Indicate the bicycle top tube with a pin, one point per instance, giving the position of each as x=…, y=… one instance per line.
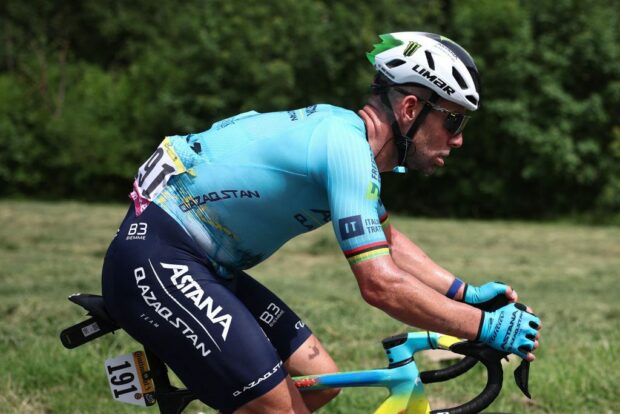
x=399, y=350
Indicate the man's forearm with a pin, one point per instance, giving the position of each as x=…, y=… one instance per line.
x=411, y=301
x=410, y=258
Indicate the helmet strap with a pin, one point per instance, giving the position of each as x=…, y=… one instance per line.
x=402, y=141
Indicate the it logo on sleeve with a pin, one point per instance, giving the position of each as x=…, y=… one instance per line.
x=350, y=227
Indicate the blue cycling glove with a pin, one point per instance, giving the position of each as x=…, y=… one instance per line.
x=484, y=293
x=509, y=329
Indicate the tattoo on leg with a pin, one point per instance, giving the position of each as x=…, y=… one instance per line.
x=315, y=353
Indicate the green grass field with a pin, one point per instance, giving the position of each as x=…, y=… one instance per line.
x=567, y=273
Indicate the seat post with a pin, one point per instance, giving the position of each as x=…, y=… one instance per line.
x=171, y=400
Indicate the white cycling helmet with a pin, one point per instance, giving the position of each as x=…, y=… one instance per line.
x=429, y=60
x=433, y=62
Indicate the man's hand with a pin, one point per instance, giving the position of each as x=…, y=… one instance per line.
x=479, y=294
x=512, y=328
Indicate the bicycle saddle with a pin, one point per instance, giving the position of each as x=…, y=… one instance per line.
x=94, y=305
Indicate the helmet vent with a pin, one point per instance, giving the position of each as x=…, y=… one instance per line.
x=459, y=78
x=472, y=99
x=429, y=58
x=394, y=63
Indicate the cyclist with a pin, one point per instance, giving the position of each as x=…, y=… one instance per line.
x=208, y=206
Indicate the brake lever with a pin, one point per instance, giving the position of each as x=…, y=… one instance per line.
x=522, y=377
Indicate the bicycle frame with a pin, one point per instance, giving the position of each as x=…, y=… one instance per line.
x=401, y=378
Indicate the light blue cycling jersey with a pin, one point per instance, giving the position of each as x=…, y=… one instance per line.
x=254, y=181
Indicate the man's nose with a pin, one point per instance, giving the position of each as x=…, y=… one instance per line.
x=456, y=141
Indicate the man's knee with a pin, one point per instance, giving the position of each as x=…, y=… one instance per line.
x=312, y=359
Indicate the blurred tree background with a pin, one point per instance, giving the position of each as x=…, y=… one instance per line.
x=89, y=88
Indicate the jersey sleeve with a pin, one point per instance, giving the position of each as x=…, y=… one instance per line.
x=354, y=186
x=384, y=218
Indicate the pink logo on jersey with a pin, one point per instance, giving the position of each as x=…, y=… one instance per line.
x=139, y=203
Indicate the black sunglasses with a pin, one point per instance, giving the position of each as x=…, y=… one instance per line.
x=455, y=121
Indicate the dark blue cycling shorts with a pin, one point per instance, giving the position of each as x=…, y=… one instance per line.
x=225, y=339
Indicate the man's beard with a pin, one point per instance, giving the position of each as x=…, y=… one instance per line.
x=416, y=161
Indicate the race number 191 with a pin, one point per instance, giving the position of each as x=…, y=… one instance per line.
x=157, y=170
x=129, y=379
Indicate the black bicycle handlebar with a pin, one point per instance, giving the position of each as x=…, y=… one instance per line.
x=445, y=374
x=491, y=358
x=478, y=352
x=465, y=364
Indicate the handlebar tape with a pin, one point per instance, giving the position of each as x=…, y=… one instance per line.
x=445, y=374
x=491, y=359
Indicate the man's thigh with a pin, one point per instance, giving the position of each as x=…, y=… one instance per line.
x=286, y=331
x=302, y=352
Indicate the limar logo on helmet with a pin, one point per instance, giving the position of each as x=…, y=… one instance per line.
x=411, y=48
x=427, y=74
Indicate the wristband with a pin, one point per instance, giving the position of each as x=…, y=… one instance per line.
x=454, y=288
x=480, y=326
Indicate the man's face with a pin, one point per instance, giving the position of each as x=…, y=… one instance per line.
x=432, y=143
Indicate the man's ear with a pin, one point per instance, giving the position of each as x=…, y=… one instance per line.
x=408, y=107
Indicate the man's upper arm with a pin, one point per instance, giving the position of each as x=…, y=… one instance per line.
x=353, y=187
